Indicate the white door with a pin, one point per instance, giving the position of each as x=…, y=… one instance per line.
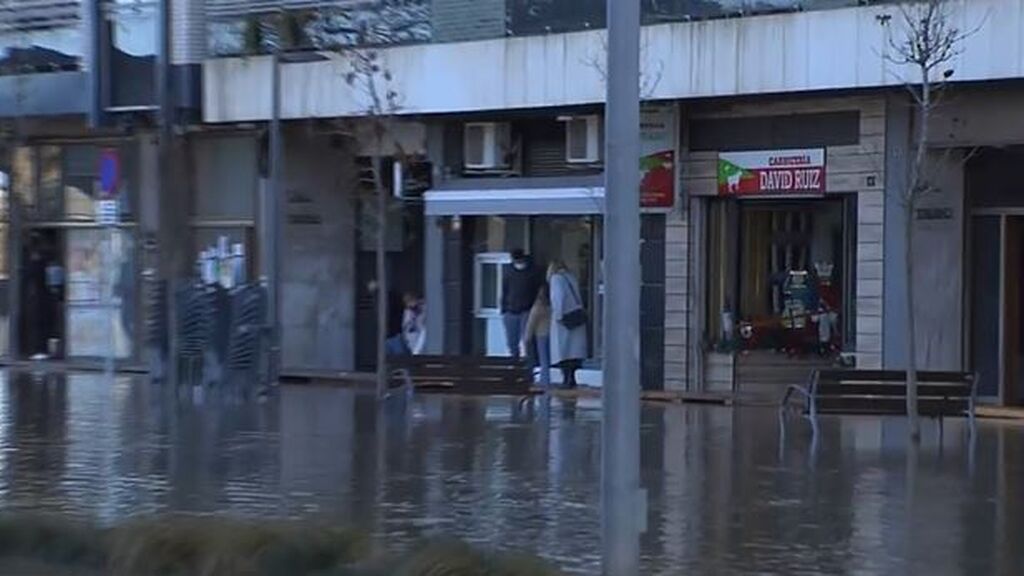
x=488, y=271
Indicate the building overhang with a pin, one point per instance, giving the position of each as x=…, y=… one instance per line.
x=517, y=197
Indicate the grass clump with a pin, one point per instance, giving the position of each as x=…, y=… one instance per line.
x=194, y=546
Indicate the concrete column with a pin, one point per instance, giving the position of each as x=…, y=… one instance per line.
x=897, y=167
x=92, y=24
x=433, y=250
x=433, y=282
x=696, y=300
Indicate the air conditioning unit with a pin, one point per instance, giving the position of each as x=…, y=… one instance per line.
x=583, y=139
x=487, y=146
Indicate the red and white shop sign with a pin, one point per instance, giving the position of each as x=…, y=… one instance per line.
x=772, y=173
x=658, y=158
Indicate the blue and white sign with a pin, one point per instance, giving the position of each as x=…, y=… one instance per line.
x=107, y=212
x=110, y=172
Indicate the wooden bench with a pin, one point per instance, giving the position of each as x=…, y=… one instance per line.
x=470, y=375
x=842, y=391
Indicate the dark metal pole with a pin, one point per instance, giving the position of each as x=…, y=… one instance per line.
x=155, y=253
x=94, y=26
x=272, y=226
x=622, y=504
x=162, y=81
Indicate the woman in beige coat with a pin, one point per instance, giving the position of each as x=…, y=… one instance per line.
x=568, y=345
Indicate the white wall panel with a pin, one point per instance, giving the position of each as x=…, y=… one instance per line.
x=817, y=50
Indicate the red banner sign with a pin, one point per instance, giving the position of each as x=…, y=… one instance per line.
x=772, y=173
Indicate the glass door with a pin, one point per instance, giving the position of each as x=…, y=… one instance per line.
x=100, y=292
x=986, y=302
x=488, y=272
x=1013, y=311
x=997, y=306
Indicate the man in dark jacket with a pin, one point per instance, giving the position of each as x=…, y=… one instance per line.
x=519, y=289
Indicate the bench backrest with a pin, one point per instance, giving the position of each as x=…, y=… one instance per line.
x=462, y=362
x=467, y=374
x=838, y=382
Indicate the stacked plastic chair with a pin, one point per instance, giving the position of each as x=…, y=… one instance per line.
x=248, y=309
x=195, y=323
x=156, y=328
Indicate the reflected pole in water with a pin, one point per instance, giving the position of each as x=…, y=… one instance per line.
x=272, y=221
x=621, y=501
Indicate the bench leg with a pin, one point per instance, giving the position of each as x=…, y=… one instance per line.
x=814, y=417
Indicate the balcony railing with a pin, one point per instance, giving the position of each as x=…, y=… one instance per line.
x=237, y=27
x=40, y=36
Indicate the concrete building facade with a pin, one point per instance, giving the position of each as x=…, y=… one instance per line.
x=727, y=263
x=84, y=90
x=814, y=85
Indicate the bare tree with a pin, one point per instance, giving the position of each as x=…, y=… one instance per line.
x=369, y=76
x=651, y=73
x=925, y=45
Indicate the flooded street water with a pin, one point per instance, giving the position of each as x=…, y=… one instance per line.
x=725, y=494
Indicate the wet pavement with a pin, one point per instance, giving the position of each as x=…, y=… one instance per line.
x=727, y=493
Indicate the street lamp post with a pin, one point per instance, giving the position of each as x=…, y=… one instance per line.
x=272, y=221
x=622, y=502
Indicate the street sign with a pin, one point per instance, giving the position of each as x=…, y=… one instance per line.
x=110, y=172
x=107, y=212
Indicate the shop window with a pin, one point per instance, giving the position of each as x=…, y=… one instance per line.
x=23, y=176
x=100, y=293
x=71, y=286
x=226, y=172
x=224, y=205
x=48, y=205
x=502, y=234
x=212, y=237
x=721, y=272
x=776, y=276
x=80, y=182
x=62, y=183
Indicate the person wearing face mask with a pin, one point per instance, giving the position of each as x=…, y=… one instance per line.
x=519, y=291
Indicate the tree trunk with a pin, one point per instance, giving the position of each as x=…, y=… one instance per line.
x=382, y=280
x=913, y=420
x=917, y=185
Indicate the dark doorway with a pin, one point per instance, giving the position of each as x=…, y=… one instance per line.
x=997, y=306
x=41, y=330
x=1013, y=312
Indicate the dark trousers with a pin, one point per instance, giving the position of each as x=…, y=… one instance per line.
x=515, y=326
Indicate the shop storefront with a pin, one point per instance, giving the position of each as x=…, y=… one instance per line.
x=574, y=240
x=995, y=275
x=75, y=282
x=775, y=266
x=535, y=182
x=779, y=252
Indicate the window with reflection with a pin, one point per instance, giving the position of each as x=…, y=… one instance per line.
x=39, y=36
x=57, y=183
x=77, y=278
x=132, y=32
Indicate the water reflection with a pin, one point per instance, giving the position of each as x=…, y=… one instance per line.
x=725, y=497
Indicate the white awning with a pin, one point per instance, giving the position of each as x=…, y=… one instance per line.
x=515, y=201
